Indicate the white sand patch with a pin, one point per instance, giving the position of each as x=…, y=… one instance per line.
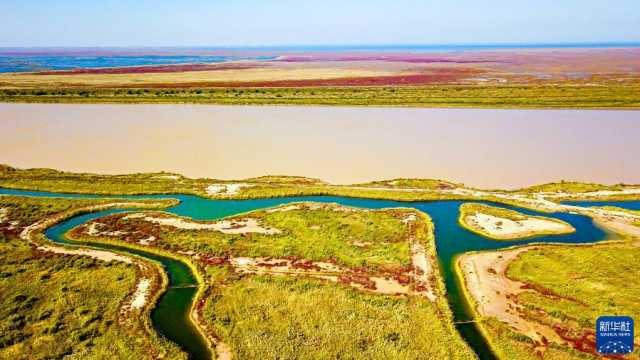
x=147, y=241
x=502, y=227
x=389, y=286
x=96, y=254
x=93, y=229
x=226, y=189
x=361, y=243
x=614, y=213
x=409, y=219
x=599, y=193
x=283, y=209
x=243, y=261
x=188, y=253
x=4, y=215
x=170, y=177
x=13, y=225
x=140, y=296
x=223, y=351
x=240, y=226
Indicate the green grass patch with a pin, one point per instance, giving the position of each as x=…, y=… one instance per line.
x=577, y=284
x=60, y=181
x=477, y=96
x=508, y=344
x=285, y=318
x=571, y=187
x=49, y=309
x=598, y=276
x=374, y=239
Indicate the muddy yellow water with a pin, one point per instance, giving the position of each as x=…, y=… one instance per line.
x=484, y=148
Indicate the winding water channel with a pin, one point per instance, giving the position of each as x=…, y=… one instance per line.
x=171, y=315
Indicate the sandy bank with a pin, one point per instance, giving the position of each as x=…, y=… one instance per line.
x=503, y=228
x=492, y=291
x=96, y=254
x=226, y=189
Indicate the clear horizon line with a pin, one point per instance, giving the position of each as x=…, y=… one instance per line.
x=338, y=45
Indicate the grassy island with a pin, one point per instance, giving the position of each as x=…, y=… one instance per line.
x=265, y=269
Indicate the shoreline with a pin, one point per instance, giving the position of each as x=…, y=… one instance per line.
x=614, y=236
x=409, y=106
x=201, y=288
x=464, y=223
x=322, y=104
x=56, y=219
x=196, y=274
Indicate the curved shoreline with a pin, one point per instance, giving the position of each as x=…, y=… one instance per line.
x=464, y=213
x=201, y=288
x=50, y=223
x=467, y=335
x=472, y=305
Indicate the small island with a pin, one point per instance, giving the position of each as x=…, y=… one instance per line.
x=503, y=224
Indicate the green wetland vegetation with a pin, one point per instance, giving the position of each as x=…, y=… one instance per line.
x=375, y=240
x=271, y=316
x=49, y=310
x=495, y=96
x=60, y=181
x=575, y=285
x=289, y=318
x=223, y=305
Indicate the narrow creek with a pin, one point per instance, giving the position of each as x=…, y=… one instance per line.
x=171, y=315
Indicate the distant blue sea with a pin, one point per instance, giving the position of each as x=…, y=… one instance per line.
x=22, y=63
x=40, y=59
x=424, y=48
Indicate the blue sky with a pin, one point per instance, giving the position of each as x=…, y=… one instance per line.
x=312, y=22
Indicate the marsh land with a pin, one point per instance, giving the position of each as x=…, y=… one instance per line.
x=263, y=263
x=506, y=78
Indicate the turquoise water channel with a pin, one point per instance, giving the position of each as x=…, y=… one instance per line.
x=171, y=315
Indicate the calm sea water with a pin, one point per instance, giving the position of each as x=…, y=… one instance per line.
x=24, y=63
x=483, y=148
